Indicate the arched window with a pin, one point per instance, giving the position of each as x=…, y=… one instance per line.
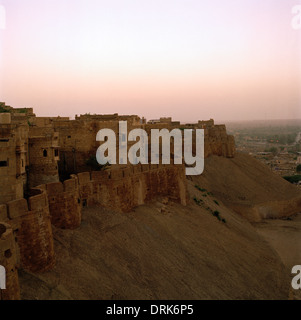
x=44, y=153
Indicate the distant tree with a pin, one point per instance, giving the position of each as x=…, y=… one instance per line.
x=3, y=110
x=274, y=150
x=293, y=179
x=94, y=165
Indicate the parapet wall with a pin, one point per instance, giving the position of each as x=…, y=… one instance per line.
x=30, y=222
x=218, y=142
x=123, y=189
x=64, y=203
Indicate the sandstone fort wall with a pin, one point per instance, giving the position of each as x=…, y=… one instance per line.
x=125, y=188
x=31, y=225
x=8, y=259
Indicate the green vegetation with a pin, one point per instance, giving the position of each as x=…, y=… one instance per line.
x=269, y=135
x=275, y=134
x=22, y=110
x=3, y=110
x=274, y=150
x=293, y=179
x=198, y=201
x=203, y=190
x=298, y=169
x=215, y=213
x=199, y=188
x=283, y=138
x=215, y=201
x=94, y=165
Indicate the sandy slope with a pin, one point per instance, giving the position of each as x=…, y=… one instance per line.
x=185, y=253
x=166, y=251
x=285, y=237
x=249, y=187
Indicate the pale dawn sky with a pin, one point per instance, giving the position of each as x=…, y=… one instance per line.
x=189, y=59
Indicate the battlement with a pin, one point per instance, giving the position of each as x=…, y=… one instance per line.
x=133, y=119
x=30, y=222
x=64, y=203
x=125, y=188
x=206, y=123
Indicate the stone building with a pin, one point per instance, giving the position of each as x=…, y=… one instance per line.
x=43, y=150
x=37, y=152
x=13, y=158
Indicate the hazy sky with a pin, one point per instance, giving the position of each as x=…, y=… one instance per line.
x=189, y=59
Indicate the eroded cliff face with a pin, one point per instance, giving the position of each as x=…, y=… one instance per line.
x=30, y=221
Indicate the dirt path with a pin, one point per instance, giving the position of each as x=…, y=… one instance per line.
x=284, y=236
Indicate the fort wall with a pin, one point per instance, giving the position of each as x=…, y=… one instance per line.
x=218, y=142
x=64, y=204
x=77, y=140
x=8, y=259
x=30, y=149
x=31, y=225
x=125, y=188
